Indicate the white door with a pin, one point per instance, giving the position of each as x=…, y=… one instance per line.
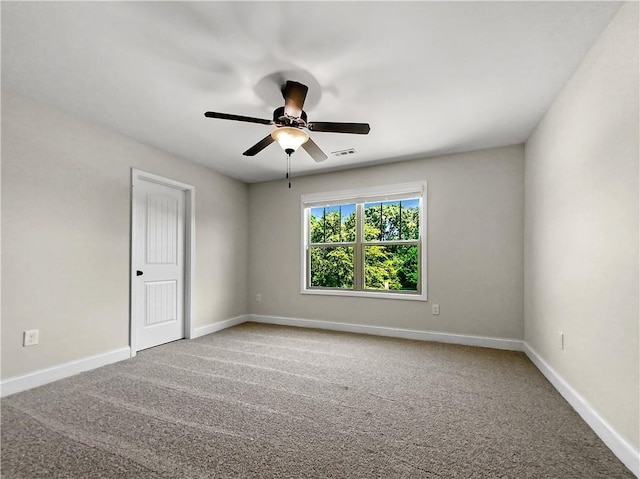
x=159, y=264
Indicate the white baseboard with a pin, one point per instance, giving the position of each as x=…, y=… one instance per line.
x=17, y=384
x=215, y=327
x=618, y=445
x=621, y=448
x=462, y=339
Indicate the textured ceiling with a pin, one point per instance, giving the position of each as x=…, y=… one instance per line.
x=430, y=77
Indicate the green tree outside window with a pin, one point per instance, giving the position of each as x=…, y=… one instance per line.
x=390, y=248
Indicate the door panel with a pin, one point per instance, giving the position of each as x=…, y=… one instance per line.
x=162, y=229
x=159, y=224
x=161, y=299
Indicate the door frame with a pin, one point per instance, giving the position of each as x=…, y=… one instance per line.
x=189, y=253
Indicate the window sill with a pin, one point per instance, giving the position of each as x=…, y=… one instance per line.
x=366, y=294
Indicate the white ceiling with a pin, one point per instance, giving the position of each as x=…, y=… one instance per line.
x=430, y=77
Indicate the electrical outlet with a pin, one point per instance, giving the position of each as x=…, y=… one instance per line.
x=258, y=297
x=561, y=340
x=30, y=337
x=435, y=309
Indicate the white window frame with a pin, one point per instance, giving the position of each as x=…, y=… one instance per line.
x=359, y=196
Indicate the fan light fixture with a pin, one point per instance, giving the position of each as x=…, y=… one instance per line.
x=289, y=139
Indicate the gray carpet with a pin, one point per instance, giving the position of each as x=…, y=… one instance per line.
x=270, y=401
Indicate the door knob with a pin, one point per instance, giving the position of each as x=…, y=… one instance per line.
x=139, y=273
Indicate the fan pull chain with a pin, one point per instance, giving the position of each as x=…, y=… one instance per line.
x=289, y=170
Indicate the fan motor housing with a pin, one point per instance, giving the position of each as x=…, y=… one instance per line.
x=281, y=118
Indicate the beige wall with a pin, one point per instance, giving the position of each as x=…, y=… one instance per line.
x=581, y=229
x=65, y=227
x=475, y=241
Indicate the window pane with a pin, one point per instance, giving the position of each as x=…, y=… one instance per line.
x=382, y=221
x=332, y=224
x=410, y=219
x=391, y=220
x=372, y=221
x=332, y=267
x=316, y=225
x=393, y=267
x=348, y=222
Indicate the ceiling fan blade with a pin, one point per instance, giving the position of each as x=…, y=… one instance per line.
x=330, y=127
x=314, y=150
x=258, y=147
x=294, y=94
x=228, y=116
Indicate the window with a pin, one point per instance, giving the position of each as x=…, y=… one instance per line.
x=365, y=242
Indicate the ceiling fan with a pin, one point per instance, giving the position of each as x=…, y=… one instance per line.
x=290, y=121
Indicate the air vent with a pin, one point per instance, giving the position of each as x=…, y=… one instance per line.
x=348, y=151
